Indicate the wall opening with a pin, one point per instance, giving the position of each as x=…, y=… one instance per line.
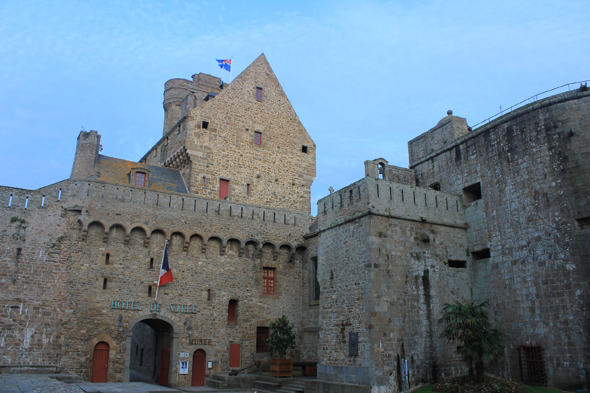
x=472, y=193
x=304, y=149
x=435, y=186
x=381, y=171
x=532, y=364
x=231, y=312
x=583, y=222
x=205, y=125
x=458, y=264
x=154, y=338
x=481, y=254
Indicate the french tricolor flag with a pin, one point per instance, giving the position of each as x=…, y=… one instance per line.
x=165, y=271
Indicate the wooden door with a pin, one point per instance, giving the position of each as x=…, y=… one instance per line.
x=223, y=188
x=100, y=362
x=164, y=366
x=234, y=355
x=199, y=367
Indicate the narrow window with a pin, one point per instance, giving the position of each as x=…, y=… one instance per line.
x=151, y=263
x=274, y=217
x=315, y=289
x=205, y=125
x=403, y=199
x=26, y=202
x=259, y=94
x=43, y=201
x=10, y=199
x=141, y=357
x=257, y=138
x=209, y=294
x=390, y=194
x=231, y=312
x=140, y=179
x=350, y=195
x=107, y=258
x=104, y=283
x=248, y=189
x=414, y=197
x=377, y=190
x=223, y=188
x=359, y=191
x=340, y=195
x=149, y=291
x=304, y=149
x=268, y=281
x=261, y=337
x=425, y=200
x=58, y=195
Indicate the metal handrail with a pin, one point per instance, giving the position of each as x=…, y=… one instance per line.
x=530, y=100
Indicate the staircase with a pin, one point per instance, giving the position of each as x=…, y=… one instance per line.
x=294, y=386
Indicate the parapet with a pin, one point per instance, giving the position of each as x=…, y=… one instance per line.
x=379, y=169
x=446, y=131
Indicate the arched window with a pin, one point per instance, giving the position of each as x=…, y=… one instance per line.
x=231, y=312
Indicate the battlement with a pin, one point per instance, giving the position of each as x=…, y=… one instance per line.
x=79, y=195
x=391, y=199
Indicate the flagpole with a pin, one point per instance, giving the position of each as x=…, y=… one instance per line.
x=231, y=68
x=160, y=272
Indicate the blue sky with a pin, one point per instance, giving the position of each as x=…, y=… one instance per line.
x=364, y=77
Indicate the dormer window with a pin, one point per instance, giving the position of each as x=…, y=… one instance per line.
x=140, y=179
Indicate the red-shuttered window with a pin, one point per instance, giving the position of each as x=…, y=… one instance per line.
x=261, y=336
x=223, y=188
x=257, y=138
x=259, y=94
x=234, y=355
x=231, y=312
x=268, y=281
x=140, y=179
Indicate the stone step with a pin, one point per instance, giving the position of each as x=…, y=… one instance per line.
x=265, y=385
x=215, y=383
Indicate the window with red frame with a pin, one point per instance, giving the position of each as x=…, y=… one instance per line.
x=231, y=312
x=259, y=94
x=268, y=281
x=258, y=138
x=140, y=179
x=261, y=336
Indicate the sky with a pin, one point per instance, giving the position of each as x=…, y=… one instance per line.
x=364, y=77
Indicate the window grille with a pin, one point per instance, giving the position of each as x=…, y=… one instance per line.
x=268, y=281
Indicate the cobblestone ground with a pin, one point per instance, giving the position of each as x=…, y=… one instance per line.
x=21, y=383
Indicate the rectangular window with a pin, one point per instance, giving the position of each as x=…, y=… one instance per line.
x=315, y=289
x=261, y=336
x=107, y=258
x=247, y=189
x=259, y=94
x=140, y=179
x=257, y=138
x=304, y=149
x=104, y=283
x=268, y=281
x=149, y=291
x=472, y=193
x=205, y=125
x=223, y=188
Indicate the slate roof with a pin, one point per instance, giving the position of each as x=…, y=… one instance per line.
x=116, y=170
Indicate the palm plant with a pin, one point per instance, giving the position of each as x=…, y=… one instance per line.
x=469, y=324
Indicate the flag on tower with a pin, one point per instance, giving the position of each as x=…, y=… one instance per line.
x=165, y=271
x=225, y=64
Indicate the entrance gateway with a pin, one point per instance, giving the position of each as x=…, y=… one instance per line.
x=151, y=348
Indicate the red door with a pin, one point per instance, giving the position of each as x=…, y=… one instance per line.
x=199, y=367
x=100, y=362
x=234, y=355
x=223, y=188
x=164, y=366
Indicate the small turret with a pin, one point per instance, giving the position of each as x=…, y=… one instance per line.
x=86, y=159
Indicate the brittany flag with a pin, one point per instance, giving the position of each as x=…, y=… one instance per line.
x=225, y=64
x=165, y=271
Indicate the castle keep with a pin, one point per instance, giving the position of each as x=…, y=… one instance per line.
x=500, y=213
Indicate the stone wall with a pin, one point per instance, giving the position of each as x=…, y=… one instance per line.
x=387, y=265
x=532, y=169
x=215, y=141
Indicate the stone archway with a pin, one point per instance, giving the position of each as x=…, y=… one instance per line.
x=149, y=339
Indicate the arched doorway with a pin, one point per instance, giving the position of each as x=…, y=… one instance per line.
x=150, y=351
x=199, y=368
x=100, y=362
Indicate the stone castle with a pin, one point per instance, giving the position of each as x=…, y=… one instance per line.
x=500, y=213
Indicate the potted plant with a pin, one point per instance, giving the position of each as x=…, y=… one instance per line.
x=279, y=344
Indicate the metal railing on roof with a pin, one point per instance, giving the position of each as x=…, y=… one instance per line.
x=532, y=99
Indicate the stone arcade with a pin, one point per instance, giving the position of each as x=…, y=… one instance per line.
x=499, y=213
